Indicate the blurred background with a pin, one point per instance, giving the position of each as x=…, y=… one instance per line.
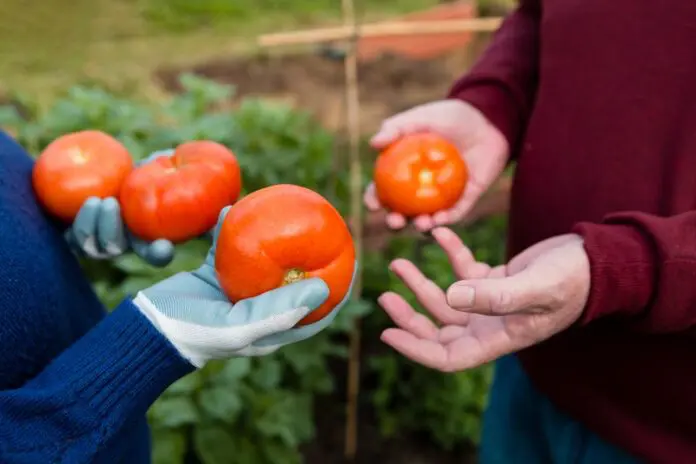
x=155, y=73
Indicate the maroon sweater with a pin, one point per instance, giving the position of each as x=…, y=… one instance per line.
x=598, y=101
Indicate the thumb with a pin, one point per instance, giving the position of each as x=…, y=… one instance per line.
x=523, y=292
x=308, y=294
x=280, y=309
x=210, y=258
x=386, y=135
x=221, y=219
x=158, y=253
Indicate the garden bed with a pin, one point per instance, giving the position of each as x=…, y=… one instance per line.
x=389, y=83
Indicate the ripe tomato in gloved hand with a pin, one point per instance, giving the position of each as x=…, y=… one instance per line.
x=79, y=166
x=280, y=235
x=178, y=197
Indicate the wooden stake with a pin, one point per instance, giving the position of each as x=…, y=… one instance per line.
x=345, y=32
x=353, y=120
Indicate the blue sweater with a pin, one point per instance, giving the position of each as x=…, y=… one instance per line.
x=75, y=384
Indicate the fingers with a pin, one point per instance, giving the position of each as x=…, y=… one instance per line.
x=210, y=258
x=110, y=231
x=449, y=333
x=483, y=340
x=393, y=220
x=429, y=353
x=423, y=223
x=407, y=318
x=428, y=294
x=158, y=253
x=297, y=334
x=98, y=229
x=460, y=256
x=388, y=133
x=396, y=221
x=370, y=198
x=460, y=209
x=221, y=219
x=418, y=118
x=85, y=225
x=278, y=310
x=519, y=293
x=98, y=232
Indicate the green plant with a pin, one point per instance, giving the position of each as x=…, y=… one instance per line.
x=448, y=407
x=261, y=410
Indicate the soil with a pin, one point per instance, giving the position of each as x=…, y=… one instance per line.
x=315, y=82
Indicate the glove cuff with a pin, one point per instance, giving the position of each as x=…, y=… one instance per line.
x=167, y=327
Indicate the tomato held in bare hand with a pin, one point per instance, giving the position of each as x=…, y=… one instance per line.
x=421, y=173
x=77, y=166
x=179, y=197
x=279, y=235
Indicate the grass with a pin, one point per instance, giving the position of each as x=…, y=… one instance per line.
x=47, y=46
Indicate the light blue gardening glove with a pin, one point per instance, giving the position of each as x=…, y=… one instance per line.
x=191, y=310
x=98, y=231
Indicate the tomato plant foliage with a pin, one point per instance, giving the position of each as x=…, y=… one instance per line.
x=262, y=410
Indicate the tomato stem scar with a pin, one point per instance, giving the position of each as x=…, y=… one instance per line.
x=292, y=276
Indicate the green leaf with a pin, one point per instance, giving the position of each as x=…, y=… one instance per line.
x=187, y=385
x=268, y=373
x=168, y=446
x=354, y=309
x=173, y=411
x=222, y=403
x=218, y=445
x=289, y=418
x=275, y=451
x=233, y=371
x=9, y=117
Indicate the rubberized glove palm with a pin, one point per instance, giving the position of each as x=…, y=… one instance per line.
x=98, y=231
x=191, y=310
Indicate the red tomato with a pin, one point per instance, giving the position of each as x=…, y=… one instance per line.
x=279, y=235
x=179, y=197
x=77, y=166
x=420, y=174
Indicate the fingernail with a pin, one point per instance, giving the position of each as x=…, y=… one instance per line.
x=461, y=296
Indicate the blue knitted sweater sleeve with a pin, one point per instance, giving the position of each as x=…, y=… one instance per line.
x=80, y=408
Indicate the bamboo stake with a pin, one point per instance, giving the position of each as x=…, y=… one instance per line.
x=345, y=32
x=353, y=120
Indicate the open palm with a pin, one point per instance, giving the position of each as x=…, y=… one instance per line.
x=483, y=147
x=464, y=340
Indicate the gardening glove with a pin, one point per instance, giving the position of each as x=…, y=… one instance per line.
x=191, y=310
x=98, y=231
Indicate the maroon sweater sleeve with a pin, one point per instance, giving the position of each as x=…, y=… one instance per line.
x=643, y=268
x=502, y=84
